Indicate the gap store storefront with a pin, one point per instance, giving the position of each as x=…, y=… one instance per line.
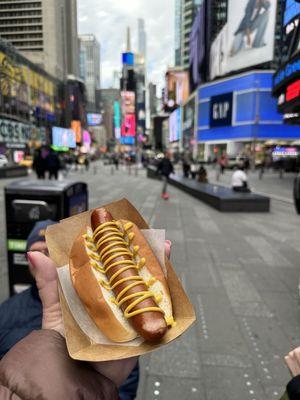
x=239, y=114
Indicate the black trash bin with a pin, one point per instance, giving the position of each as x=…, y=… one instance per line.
x=30, y=201
x=297, y=193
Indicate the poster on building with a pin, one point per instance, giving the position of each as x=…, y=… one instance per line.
x=250, y=33
x=217, y=54
x=128, y=102
x=129, y=126
x=175, y=125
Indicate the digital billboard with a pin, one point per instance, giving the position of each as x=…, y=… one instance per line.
x=62, y=137
x=175, y=125
x=117, y=119
x=249, y=36
x=128, y=127
x=128, y=102
x=94, y=119
x=177, y=89
x=128, y=58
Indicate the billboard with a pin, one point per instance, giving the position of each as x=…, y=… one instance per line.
x=62, y=137
x=249, y=36
x=128, y=59
x=198, y=47
x=177, y=89
x=175, y=125
x=128, y=102
x=128, y=127
x=94, y=119
x=117, y=119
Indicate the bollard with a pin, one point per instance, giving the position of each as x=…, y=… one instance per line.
x=95, y=169
x=136, y=171
x=112, y=170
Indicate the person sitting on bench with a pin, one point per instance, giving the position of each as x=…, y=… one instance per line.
x=239, y=180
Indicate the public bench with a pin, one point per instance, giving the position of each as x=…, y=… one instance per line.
x=219, y=197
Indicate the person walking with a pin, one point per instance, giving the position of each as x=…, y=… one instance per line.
x=186, y=167
x=53, y=164
x=165, y=168
x=39, y=164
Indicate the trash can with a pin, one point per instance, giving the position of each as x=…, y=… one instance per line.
x=297, y=193
x=27, y=202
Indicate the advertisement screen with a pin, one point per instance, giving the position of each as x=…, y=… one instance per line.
x=62, y=137
x=175, y=125
x=94, y=119
x=128, y=102
x=249, y=37
x=129, y=126
x=292, y=10
x=251, y=32
x=177, y=88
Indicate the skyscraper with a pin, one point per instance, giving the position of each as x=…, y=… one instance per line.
x=142, y=38
x=44, y=31
x=185, y=12
x=178, y=13
x=90, y=66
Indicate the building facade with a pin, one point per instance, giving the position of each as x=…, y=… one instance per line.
x=90, y=66
x=43, y=31
x=185, y=12
x=142, y=38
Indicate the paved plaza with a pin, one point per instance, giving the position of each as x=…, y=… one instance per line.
x=241, y=272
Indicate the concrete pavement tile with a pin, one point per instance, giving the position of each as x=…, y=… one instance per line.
x=231, y=383
x=267, y=252
x=179, y=359
x=274, y=392
x=166, y=388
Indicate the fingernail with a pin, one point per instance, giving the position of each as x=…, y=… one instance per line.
x=31, y=258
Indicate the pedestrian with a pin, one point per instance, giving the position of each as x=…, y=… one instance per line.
x=116, y=161
x=194, y=169
x=165, y=168
x=53, y=164
x=239, y=181
x=222, y=161
x=87, y=163
x=186, y=167
x=202, y=174
x=22, y=314
x=39, y=164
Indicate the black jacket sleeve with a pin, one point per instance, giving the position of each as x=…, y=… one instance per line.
x=293, y=388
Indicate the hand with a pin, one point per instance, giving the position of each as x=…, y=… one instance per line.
x=46, y=280
x=292, y=361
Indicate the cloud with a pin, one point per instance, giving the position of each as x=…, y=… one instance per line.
x=108, y=19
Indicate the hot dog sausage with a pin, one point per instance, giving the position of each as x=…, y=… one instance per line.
x=131, y=292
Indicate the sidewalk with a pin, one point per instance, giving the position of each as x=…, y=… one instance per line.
x=241, y=272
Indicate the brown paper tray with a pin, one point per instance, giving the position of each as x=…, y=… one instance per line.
x=60, y=238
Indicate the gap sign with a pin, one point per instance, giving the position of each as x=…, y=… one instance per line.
x=221, y=110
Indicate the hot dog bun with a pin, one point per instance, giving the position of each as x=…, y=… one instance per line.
x=97, y=297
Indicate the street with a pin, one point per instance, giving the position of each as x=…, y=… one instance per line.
x=241, y=272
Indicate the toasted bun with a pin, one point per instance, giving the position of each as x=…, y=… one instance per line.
x=96, y=299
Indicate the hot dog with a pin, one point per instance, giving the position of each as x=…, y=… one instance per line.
x=121, y=282
x=149, y=320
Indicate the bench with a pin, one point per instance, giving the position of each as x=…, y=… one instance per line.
x=13, y=171
x=219, y=197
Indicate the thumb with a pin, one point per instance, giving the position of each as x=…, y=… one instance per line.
x=46, y=281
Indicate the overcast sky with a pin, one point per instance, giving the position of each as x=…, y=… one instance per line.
x=108, y=19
